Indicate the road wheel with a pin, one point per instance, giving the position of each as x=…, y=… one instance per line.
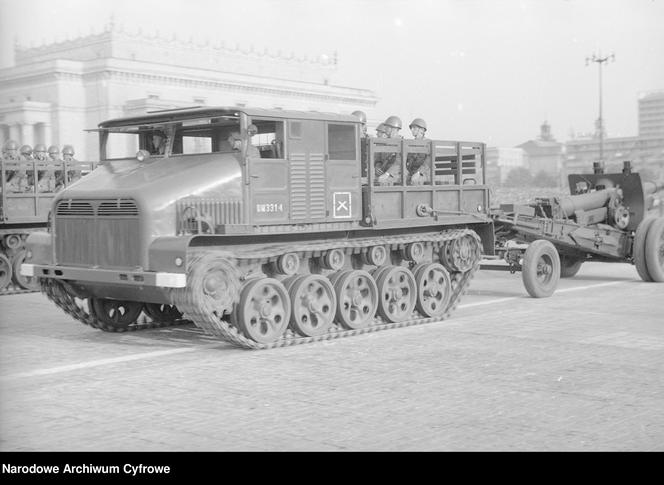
x=357, y=298
x=264, y=310
x=398, y=293
x=569, y=266
x=639, y=248
x=434, y=289
x=541, y=269
x=655, y=250
x=6, y=271
x=26, y=282
x=314, y=304
x=116, y=313
x=162, y=313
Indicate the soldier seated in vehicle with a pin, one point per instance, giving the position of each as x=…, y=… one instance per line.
x=73, y=171
x=235, y=141
x=158, y=143
x=388, y=165
x=418, y=164
x=46, y=177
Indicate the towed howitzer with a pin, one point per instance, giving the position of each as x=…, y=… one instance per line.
x=605, y=218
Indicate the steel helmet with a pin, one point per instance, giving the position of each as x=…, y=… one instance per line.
x=393, y=122
x=40, y=148
x=10, y=145
x=53, y=151
x=68, y=150
x=26, y=150
x=381, y=128
x=361, y=115
x=418, y=122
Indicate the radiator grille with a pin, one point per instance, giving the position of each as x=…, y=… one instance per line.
x=120, y=207
x=74, y=208
x=102, y=233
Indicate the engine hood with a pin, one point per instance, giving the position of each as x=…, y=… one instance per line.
x=160, y=182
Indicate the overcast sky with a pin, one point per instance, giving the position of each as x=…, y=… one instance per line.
x=482, y=70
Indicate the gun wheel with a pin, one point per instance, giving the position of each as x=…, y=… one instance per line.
x=654, y=250
x=541, y=269
x=434, y=289
x=569, y=266
x=639, y=248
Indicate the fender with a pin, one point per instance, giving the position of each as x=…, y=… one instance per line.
x=169, y=254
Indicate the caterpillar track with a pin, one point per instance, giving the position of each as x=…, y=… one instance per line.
x=221, y=314
x=222, y=289
x=79, y=308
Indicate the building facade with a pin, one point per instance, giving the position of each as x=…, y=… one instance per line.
x=544, y=154
x=56, y=91
x=500, y=160
x=651, y=114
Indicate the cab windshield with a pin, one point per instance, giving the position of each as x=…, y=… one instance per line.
x=188, y=137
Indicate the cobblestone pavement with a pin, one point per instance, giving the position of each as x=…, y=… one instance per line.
x=582, y=370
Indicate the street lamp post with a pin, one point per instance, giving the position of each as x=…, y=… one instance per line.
x=600, y=60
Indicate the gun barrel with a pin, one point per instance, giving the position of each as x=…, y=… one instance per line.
x=592, y=200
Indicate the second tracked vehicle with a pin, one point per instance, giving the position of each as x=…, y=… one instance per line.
x=264, y=227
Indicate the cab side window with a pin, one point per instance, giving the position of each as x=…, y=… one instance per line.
x=268, y=138
x=341, y=142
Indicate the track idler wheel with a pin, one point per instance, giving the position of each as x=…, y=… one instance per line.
x=313, y=304
x=357, y=298
x=654, y=250
x=116, y=313
x=26, y=282
x=639, y=248
x=264, y=310
x=434, y=289
x=398, y=293
x=162, y=313
x=541, y=269
x=6, y=271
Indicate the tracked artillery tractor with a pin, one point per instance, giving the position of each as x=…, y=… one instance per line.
x=606, y=218
x=264, y=227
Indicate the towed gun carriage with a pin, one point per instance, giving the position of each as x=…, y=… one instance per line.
x=283, y=239
x=607, y=218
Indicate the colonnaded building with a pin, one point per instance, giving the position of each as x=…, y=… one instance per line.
x=56, y=91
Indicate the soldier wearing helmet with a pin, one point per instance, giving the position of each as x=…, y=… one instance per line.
x=19, y=180
x=46, y=178
x=10, y=154
x=417, y=164
x=10, y=150
x=54, y=152
x=388, y=167
x=363, y=119
x=380, y=131
x=73, y=171
x=393, y=125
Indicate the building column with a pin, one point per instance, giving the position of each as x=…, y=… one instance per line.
x=27, y=134
x=15, y=133
x=48, y=135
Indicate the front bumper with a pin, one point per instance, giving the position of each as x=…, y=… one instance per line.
x=133, y=278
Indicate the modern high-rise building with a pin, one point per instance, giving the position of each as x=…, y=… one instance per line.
x=56, y=91
x=651, y=114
